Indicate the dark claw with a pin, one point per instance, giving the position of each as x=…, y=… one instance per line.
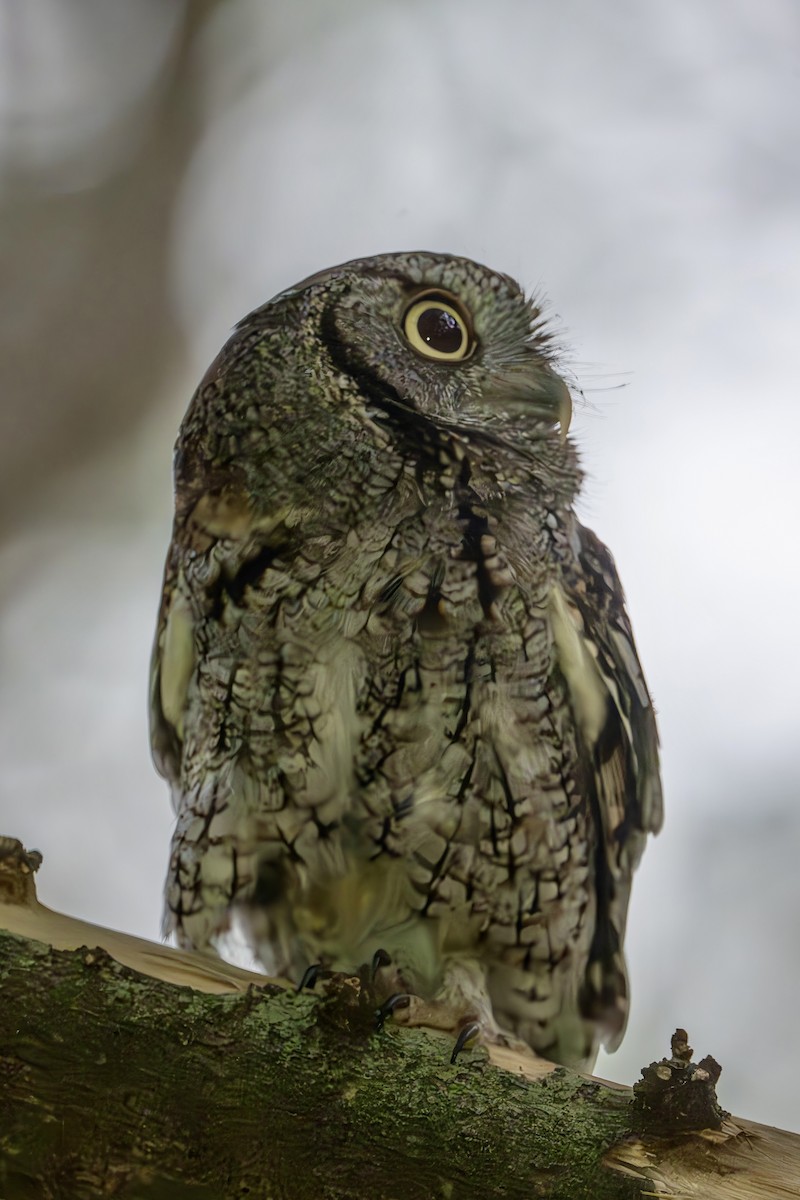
x=469, y=1031
x=379, y=959
x=311, y=975
x=398, y=1000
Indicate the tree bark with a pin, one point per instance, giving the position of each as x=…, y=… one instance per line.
x=129, y=1069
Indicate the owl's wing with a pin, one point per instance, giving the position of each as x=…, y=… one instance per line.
x=618, y=727
x=173, y=649
x=219, y=539
x=214, y=556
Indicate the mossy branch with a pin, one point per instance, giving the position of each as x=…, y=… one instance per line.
x=131, y=1070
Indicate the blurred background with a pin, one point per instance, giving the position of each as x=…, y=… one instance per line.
x=167, y=166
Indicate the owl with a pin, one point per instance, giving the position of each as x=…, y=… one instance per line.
x=395, y=690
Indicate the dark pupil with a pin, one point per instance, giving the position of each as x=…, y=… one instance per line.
x=440, y=330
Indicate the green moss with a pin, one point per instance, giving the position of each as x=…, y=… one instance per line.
x=115, y=1081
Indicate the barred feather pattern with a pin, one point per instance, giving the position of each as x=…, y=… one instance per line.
x=395, y=689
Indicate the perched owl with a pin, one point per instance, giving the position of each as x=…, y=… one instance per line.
x=395, y=689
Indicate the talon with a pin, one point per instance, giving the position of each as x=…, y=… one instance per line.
x=468, y=1032
x=311, y=975
x=398, y=1000
x=379, y=959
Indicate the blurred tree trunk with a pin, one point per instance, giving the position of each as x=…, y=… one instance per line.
x=119, y=1081
x=88, y=333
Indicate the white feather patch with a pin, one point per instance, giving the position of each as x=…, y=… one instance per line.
x=587, y=688
x=177, y=659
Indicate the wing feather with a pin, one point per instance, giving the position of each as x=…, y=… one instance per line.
x=171, y=664
x=622, y=765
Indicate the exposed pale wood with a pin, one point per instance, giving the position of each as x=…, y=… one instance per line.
x=742, y=1161
x=23, y=914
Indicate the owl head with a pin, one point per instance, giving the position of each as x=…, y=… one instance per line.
x=410, y=347
x=440, y=335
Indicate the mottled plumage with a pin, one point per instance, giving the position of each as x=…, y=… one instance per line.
x=395, y=689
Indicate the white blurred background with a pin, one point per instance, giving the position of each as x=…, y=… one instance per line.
x=165, y=167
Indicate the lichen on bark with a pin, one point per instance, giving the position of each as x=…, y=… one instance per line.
x=117, y=1084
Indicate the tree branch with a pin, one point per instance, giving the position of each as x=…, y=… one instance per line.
x=132, y=1070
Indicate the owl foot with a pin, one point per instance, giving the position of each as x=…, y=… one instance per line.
x=414, y=1011
x=379, y=959
x=312, y=975
x=469, y=1032
x=388, y=1008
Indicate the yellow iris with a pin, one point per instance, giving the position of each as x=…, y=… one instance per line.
x=436, y=328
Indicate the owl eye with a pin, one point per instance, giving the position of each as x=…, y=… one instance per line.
x=435, y=327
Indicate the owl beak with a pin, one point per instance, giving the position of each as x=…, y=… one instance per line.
x=551, y=398
x=532, y=388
